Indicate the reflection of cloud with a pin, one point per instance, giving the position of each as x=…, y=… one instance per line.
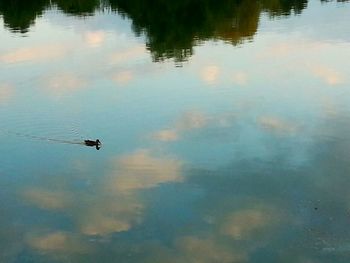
x=240, y=78
x=34, y=54
x=329, y=106
x=119, y=208
x=191, y=120
x=166, y=135
x=103, y=225
x=141, y=170
x=48, y=199
x=193, y=249
x=244, y=224
x=60, y=242
x=128, y=54
x=64, y=83
x=123, y=77
x=94, y=38
x=297, y=50
x=188, y=121
x=275, y=124
x=111, y=214
x=115, y=206
x=329, y=75
x=6, y=92
x=210, y=74
x=291, y=48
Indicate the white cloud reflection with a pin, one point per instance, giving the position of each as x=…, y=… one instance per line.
x=141, y=170
x=6, y=93
x=35, y=54
x=47, y=199
x=95, y=38
x=210, y=74
x=277, y=125
x=114, y=205
x=57, y=242
x=109, y=214
x=240, y=78
x=188, y=121
x=123, y=77
x=118, y=208
x=246, y=223
x=192, y=249
x=166, y=135
x=63, y=83
x=293, y=47
x=126, y=55
x=328, y=75
x=192, y=121
x=293, y=54
x=206, y=250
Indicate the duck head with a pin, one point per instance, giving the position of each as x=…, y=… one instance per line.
x=98, y=144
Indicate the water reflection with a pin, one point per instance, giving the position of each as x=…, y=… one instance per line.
x=6, y=92
x=34, y=54
x=240, y=156
x=171, y=29
x=20, y=15
x=245, y=211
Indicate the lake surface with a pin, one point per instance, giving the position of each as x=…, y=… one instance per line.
x=225, y=129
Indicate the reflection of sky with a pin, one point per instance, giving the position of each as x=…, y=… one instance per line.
x=239, y=155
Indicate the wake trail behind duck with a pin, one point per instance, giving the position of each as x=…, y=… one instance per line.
x=40, y=138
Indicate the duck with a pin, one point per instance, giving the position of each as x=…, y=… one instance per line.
x=96, y=143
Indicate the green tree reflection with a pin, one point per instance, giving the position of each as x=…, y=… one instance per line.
x=78, y=7
x=174, y=27
x=171, y=28
x=19, y=15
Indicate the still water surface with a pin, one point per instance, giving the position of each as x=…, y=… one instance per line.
x=225, y=128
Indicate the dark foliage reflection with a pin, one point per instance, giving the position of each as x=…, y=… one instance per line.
x=172, y=28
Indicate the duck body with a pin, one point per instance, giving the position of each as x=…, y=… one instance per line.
x=96, y=143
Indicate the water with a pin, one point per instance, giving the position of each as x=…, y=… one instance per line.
x=225, y=128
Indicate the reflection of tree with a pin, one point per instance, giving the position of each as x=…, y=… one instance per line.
x=172, y=28
x=78, y=7
x=20, y=15
x=283, y=7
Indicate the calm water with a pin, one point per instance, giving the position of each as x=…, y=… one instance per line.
x=225, y=128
